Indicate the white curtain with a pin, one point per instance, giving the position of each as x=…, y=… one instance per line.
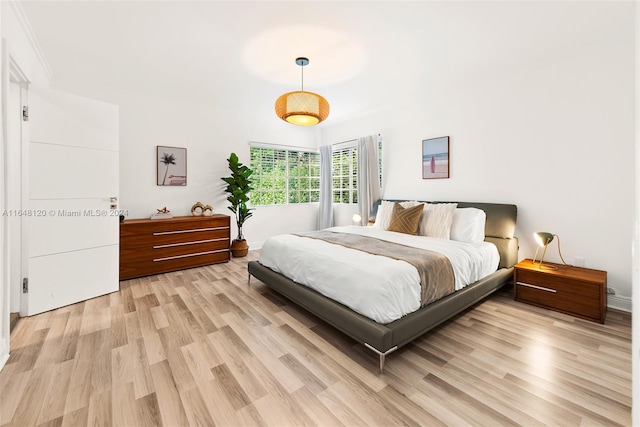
x=325, y=213
x=368, y=175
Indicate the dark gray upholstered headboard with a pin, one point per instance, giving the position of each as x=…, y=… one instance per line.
x=499, y=228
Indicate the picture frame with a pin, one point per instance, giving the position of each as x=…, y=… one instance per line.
x=435, y=158
x=171, y=166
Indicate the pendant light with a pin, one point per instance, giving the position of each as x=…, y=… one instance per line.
x=300, y=107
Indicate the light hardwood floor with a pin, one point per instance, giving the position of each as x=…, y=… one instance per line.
x=200, y=347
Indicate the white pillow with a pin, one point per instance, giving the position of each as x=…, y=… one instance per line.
x=436, y=220
x=385, y=212
x=468, y=225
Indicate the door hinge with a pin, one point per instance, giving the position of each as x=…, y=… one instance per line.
x=25, y=113
x=25, y=285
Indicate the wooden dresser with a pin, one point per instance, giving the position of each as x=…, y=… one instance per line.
x=152, y=246
x=580, y=292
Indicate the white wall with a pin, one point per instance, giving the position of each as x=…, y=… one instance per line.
x=555, y=138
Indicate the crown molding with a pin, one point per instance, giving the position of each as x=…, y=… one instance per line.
x=33, y=41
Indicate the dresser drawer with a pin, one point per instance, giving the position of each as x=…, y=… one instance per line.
x=136, y=254
x=147, y=267
x=159, y=239
x=173, y=225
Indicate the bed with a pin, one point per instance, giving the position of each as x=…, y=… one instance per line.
x=383, y=337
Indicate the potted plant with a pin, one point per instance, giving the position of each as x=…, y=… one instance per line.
x=238, y=187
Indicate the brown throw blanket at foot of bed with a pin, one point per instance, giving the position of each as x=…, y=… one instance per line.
x=436, y=274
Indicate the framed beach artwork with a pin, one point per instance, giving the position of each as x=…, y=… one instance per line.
x=435, y=158
x=171, y=165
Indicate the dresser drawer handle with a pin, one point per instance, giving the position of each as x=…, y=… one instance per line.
x=193, y=230
x=189, y=255
x=529, y=285
x=173, y=245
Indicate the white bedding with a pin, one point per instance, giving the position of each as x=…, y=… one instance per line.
x=381, y=288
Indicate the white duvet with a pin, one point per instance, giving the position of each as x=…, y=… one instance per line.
x=381, y=288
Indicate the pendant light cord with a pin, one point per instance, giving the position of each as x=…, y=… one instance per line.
x=302, y=72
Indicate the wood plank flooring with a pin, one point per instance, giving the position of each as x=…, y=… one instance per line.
x=200, y=347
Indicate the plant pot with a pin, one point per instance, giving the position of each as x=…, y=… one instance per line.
x=239, y=248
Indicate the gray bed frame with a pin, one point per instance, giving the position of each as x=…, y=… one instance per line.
x=386, y=338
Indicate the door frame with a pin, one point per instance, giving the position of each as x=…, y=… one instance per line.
x=14, y=174
x=5, y=333
x=11, y=170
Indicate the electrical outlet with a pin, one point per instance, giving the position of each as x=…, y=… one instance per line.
x=578, y=261
x=611, y=291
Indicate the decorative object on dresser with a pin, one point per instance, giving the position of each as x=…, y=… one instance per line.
x=435, y=158
x=196, y=210
x=163, y=213
x=158, y=246
x=238, y=187
x=171, y=165
x=578, y=291
x=201, y=210
x=543, y=238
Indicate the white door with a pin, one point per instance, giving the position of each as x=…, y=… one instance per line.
x=71, y=223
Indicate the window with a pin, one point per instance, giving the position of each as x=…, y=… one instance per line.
x=345, y=174
x=304, y=177
x=282, y=176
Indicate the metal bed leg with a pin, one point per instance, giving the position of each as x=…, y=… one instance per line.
x=381, y=354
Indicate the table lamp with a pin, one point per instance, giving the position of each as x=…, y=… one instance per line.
x=543, y=239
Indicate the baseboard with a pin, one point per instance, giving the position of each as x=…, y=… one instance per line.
x=4, y=352
x=619, y=303
x=13, y=321
x=256, y=245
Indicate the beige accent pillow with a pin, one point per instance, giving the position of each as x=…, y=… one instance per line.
x=437, y=219
x=405, y=220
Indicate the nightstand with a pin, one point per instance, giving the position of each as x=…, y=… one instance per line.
x=580, y=292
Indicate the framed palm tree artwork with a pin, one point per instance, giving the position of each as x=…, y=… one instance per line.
x=171, y=165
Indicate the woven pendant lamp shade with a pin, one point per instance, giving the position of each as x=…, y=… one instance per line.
x=302, y=108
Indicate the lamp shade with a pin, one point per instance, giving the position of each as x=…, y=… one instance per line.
x=543, y=238
x=302, y=108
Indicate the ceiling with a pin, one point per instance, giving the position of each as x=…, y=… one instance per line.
x=363, y=54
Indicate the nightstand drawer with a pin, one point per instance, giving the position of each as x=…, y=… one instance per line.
x=558, y=299
x=559, y=283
